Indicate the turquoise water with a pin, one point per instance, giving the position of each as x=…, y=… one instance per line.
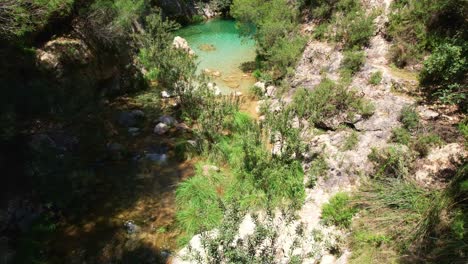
x=220, y=52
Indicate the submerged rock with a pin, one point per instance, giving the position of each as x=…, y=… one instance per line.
x=207, y=47
x=131, y=118
x=161, y=128
x=168, y=120
x=156, y=157
x=131, y=227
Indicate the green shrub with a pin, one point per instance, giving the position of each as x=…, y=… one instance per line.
x=198, y=203
x=375, y=78
x=275, y=27
x=444, y=73
x=338, y=211
x=463, y=128
x=318, y=169
x=351, y=141
x=355, y=29
x=393, y=161
x=401, y=136
x=25, y=16
x=424, y=142
x=409, y=117
x=329, y=99
x=353, y=61
x=197, y=19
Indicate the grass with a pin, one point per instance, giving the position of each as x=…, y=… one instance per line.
x=318, y=168
x=351, y=141
x=375, y=78
x=424, y=142
x=252, y=178
x=353, y=61
x=390, y=212
x=401, y=135
x=393, y=161
x=338, y=211
x=409, y=117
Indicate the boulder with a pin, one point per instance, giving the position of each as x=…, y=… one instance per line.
x=168, y=120
x=131, y=227
x=207, y=169
x=131, y=118
x=165, y=94
x=157, y=157
x=182, y=44
x=270, y=91
x=161, y=129
x=261, y=86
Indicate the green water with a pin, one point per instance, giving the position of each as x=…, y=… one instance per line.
x=219, y=48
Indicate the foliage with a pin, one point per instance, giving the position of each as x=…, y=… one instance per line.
x=375, y=78
x=442, y=234
x=401, y=136
x=351, y=141
x=199, y=203
x=424, y=142
x=354, y=29
x=419, y=25
x=463, y=128
x=409, y=117
x=393, y=161
x=20, y=17
x=318, y=168
x=390, y=211
x=227, y=247
x=327, y=100
x=353, y=61
x=275, y=26
x=349, y=21
x=338, y=211
x=444, y=73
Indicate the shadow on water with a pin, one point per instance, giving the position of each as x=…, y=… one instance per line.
x=125, y=209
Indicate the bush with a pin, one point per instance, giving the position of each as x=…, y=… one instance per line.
x=375, y=78
x=355, y=29
x=20, y=17
x=401, y=136
x=409, y=117
x=351, y=141
x=393, y=161
x=463, y=128
x=338, y=211
x=353, y=61
x=275, y=27
x=198, y=203
x=444, y=73
x=423, y=143
x=329, y=99
x=318, y=168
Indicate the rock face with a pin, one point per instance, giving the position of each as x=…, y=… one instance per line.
x=318, y=58
x=73, y=65
x=182, y=44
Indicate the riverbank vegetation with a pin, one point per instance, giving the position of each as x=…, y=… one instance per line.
x=85, y=82
x=275, y=27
